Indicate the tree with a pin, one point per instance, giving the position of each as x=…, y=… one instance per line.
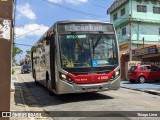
x=28, y=56
x=16, y=51
x=28, y=51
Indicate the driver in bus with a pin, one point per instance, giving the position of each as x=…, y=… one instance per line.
x=82, y=54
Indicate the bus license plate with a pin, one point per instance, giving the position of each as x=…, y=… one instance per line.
x=92, y=89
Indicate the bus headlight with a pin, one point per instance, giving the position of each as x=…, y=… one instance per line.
x=65, y=78
x=62, y=76
x=115, y=75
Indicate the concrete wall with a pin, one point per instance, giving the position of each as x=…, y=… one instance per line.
x=149, y=15
x=6, y=10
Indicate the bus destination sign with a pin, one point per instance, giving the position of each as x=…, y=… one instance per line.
x=85, y=27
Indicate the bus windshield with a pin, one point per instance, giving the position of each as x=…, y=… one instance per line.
x=88, y=50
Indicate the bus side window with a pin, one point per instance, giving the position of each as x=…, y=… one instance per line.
x=35, y=62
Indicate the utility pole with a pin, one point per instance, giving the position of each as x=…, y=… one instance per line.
x=130, y=38
x=130, y=34
x=6, y=38
x=143, y=42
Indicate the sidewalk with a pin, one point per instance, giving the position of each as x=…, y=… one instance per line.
x=21, y=100
x=151, y=88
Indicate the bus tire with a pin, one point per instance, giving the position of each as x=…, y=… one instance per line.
x=34, y=76
x=49, y=88
x=48, y=85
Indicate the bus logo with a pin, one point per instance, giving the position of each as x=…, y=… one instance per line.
x=92, y=78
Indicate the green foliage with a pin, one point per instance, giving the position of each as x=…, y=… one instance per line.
x=16, y=51
x=28, y=51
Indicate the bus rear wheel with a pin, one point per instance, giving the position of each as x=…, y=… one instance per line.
x=34, y=76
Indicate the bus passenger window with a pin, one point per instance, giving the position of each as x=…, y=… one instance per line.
x=35, y=61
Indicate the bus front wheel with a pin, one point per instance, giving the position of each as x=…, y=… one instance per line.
x=48, y=84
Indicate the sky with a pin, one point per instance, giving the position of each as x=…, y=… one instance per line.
x=34, y=17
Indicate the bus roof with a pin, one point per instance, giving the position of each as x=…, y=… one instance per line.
x=73, y=21
x=82, y=21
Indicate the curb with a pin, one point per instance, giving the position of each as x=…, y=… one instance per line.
x=28, y=108
x=153, y=92
x=13, y=87
x=23, y=96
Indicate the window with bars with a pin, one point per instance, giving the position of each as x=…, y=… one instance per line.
x=115, y=16
x=124, y=31
x=156, y=10
x=141, y=8
x=123, y=11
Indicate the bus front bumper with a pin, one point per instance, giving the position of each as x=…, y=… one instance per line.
x=65, y=88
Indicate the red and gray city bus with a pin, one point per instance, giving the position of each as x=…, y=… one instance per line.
x=77, y=56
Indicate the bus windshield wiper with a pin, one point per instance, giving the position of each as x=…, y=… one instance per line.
x=78, y=41
x=97, y=41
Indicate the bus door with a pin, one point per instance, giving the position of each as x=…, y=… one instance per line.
x=52, y=61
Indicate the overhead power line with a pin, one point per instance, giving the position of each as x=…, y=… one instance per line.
x=73, y=10
x=26, y=33
x=22, y=44
x=97, y=5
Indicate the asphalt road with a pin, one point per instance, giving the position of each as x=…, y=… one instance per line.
x=120, y=100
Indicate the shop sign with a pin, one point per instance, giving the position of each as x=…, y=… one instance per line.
x=152, y=50
x=133, y=52
x=158, y=50
x=145, y=51
x=133, y=63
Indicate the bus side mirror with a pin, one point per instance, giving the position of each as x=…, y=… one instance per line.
x=49, y=36
x=47, y=41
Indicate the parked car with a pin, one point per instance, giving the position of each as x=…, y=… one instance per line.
x=25, y=68
x=144, y=73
